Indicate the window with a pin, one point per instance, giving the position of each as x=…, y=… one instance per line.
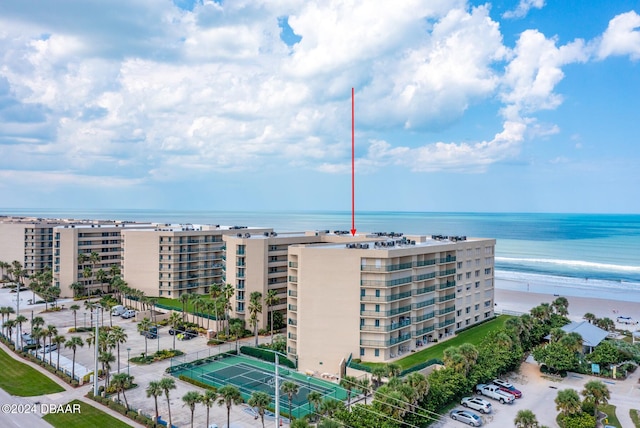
x=468, y=264
x=361, y=321
x=377, y=323
x=488, y=250
x=377, y=293
x=362, y=292
x=487, y=303
x=467, y=309
x=362, y=352
x=458, y=325
x=459, y=277
x=466, y=322
x=362, y=307
x=468, y=275
x=477, y=284
x=477, y=251
x=476, y=318
x=459, y=312
x=377, y=308
x=376, y=352
x=477, y=306
x=487, y=271
x=477, y=262
x=487, y=314
x=477, y=273
x=459, y=265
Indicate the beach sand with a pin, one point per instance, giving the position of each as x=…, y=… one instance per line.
x=523, y=301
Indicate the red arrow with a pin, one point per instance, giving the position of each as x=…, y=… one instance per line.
x=353, y=164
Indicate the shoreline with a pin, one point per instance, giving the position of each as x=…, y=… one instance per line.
x=522, y=302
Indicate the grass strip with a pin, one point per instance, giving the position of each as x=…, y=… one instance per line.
x=88, y=417
x=22, y=380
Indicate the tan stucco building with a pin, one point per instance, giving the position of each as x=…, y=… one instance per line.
x=383, y=298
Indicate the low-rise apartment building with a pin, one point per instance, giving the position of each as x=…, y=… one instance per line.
x=383, y=298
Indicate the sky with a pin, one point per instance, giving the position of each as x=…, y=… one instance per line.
x=504, y=106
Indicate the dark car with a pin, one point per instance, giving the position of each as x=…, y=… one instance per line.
x=507, y=387
x=152, y=333
x=187, y=334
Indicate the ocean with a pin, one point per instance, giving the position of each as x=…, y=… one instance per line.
x=595, y=255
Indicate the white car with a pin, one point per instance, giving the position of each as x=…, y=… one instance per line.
x=477, y=403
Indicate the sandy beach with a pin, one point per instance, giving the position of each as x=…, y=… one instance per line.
x=523, y=301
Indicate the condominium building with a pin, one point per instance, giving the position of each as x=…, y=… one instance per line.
x=170, y=260
x=259, y=262
x=379, y=299
x=74, y=244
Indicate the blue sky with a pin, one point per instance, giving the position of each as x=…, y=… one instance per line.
x=524, y=105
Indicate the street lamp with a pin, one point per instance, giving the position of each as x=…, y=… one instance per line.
x=128, y=352
x=85, y=320
x=277, y=384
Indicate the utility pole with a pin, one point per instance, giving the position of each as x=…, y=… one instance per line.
x=95, y=368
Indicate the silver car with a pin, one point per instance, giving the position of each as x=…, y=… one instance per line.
x=466, y=417
x=477, y=403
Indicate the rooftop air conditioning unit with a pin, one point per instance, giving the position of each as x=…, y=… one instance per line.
x=239, y=235
x=247, y=235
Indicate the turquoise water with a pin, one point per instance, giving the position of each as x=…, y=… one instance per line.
x=593, y=250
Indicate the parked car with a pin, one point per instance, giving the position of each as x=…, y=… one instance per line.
x=118, y=310
x=187, y=334
x=152, y=333
x=507, y=387
x=49, y=348
x=129, y=313
x=466, y=417
x=477, y=403
x=494, y=391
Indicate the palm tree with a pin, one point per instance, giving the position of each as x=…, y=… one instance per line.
x=74, y=343
x=106, y=358
x=526, y=419
x=364, y=385
x=470, y=355
x=37, y=334
x=568, y=402
x=102, y=278
x=4, y=310
x=19, y=320
x=37, y=322
x=190, y=399
x=9, y=325
x=208, y=306
x=184, y=299
x=49, y=332
x=229, y=395
x=215, y=291
x=175, y=320
x=315, y=399
x=300, y=423
x=596, y=392
x=143, y=327
x=237, y=330
x=330, y=406
x=208, y=399
x=291, y=389
x=117, y=335
x=196, y=301
x=255, y=308
x=271, y=300
x=59, y=341
x=348, y=383
x=329, y=423
x=89, y=305
x=154, y=390
x=227, y=294
x=75, y=309
x=393, y=369
x=167, y=384
x=78, y=289
x=573, y=341
x=378, y=372
x=589, y=317
x=121, y=382
x=419, y=383
x=260, y=400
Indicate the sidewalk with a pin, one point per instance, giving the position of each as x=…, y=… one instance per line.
x=64, y=397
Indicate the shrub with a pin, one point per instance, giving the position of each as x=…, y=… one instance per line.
x=266, y=356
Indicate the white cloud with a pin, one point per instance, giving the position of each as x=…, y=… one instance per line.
x=523, y=8
x=622, y=37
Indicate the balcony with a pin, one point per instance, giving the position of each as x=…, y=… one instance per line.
x=445, y=323
x=426, y=263
x=425, y=290
x=425, y=276
x=293, y=293
x=386, y=328
x=446, y=310
x=423, y=317
x=447, y=272
x=387, y=313
x=447, y=259
x=293, y=264
x=292, y=322
x=292, y=336
x=390, y=298
x=386, y=343
x=446, y=285
x=446, y=298
x=423, y=331
x=423, y=304
x=293, y=278
x=389, y=283
x=386, y=268
x=292, y=308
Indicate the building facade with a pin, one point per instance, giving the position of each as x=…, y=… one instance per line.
x=380, y=299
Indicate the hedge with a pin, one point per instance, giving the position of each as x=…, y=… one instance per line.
x=262, y=354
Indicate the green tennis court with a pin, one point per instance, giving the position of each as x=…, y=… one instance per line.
x=250, y=375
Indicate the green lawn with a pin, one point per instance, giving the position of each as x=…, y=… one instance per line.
x=610, y=410
x=635, y=417
x=176, y=304
x=22, y=380
x=88, y=417
x=473, y=335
